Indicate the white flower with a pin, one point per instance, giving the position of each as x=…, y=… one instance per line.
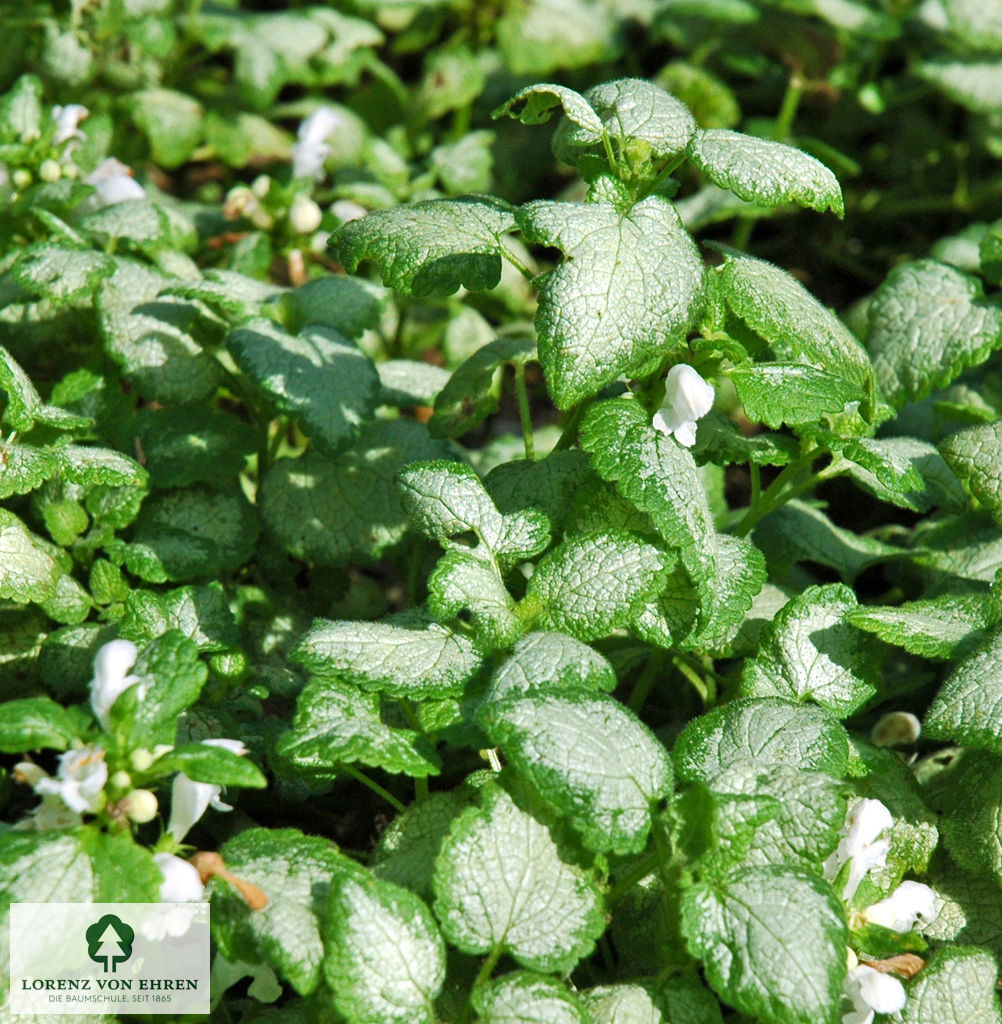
x=111, y=677
x=80, y=780
x=687, y=398
x=904, y=908
x=190, y=799
x=871, y=992
x=114, y=183
x=304, y=215
x=182, y=882
x=67, y=119
x=860, y=847
x=311, y=149
x=896, y=727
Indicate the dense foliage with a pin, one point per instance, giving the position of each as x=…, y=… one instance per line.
x=540, y=463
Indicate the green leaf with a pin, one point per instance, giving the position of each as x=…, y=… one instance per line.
x=316, y=375
x=534, y=105
x=197, y=533
x=409, y=845
x=61, y=275
x=797, y=327
x=152, y=337
x=170, y=679
x=551, y=661
x=632, y=111
x=469, y=396
x=192, y=444
x=203, y=762
x=346, y=304
x=549, y=485
x=463, y=582
x=27, y=572
x=947, y=627
x=430, y=248
x=91, y=466
x=336, y=724
x=589, y=758
x=407, y=382
x=807, y=814
x=628, y=289
x=811, y=651
x=968, y=707
x=767, y=732
x=70, y=603
x=764, y=172
x=233, y=296
x=905, y=472
x=446, y=499
x=797, y=532
x=171, y=120
x=772, y=942
x=975, y=455
x=623, y=1004
x=21, y=400
x=970, y=911
x=295, y=872
x=958, y=983
x=415, y=658
x=333, y=510
x=137, y=224
x=385, y=958
x=719, y=440
x=594, y=583
x=971, y=822
x=928, y=323
x=540, y=36
x=24, y=467
x=658, y=476
x=523, y=997
x=35, y=723
x=70, y=866
x=790, y=393
x=973, y=83
x=200, y=613
x=500, y=884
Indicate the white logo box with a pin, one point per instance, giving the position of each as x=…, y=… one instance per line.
x=109, y=958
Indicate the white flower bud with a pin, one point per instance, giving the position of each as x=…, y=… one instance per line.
x=896, y=727
x=182, y=882
x=120, y=780
x=141, y=806
x=21, y=178
x=687, y=398
x=50, y=170
x=304, y=215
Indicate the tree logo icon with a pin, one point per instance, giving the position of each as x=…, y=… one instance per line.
x=109, y=942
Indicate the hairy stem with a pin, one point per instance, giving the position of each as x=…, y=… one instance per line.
x=523, y=410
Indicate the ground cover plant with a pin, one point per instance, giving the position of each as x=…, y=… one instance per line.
x=504, y=501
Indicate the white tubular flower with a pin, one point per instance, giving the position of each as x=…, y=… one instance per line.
x=871, y=992
x=182, y=882
x=311, y=149
x=861, y=848
x=909, y=904
x=114, y=183
x=304, y=215
x=896, y=727
x=687, y=398
x=111, y=677
x=80, y=780
x=190, y=799
x=67, y=119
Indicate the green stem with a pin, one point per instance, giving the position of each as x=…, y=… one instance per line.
x=486, y=969
x=609, y=155
x=742, y=233
x=788, y=108
x=517, y=263
x=420, y=788
x=645, y=681
x=571, y=424
x=773, y=496
x=523, y=411
x=374, y=786
x=706, y=688
x=414, y=575
x=756, y=482
x=641, y=869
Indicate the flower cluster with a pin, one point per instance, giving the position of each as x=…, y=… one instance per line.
x=865, y=846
